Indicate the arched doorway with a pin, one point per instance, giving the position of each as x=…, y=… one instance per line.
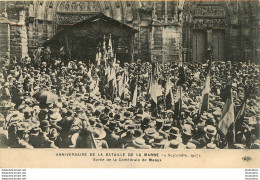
x=206, y=26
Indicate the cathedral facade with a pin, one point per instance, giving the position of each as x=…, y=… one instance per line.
x=168, y=31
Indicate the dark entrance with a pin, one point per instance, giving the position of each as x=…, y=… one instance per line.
x=218, y=45
x=199, y=45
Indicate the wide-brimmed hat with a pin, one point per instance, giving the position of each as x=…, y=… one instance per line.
x=151, y=133
x=35, y=130
x=158, y=141
x=15, y=116
x=56, y=117
x=139, y=143
x=211, y=146
x=174, y=144
x=191, y=146
x=210, y=130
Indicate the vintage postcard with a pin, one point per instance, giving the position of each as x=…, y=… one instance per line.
x=129, y=84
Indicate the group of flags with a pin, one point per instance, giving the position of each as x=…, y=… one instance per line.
x=171, y=100
x=228, y=118
x=155, y=90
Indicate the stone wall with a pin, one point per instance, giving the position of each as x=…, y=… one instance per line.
x=165, y=28
x=4, y=38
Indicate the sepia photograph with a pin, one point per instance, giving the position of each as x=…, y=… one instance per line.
x=130, y=75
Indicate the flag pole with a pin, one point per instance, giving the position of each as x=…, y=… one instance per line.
x=180, y=103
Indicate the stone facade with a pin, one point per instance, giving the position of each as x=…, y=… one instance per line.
x=169, y=31
x=4, y=37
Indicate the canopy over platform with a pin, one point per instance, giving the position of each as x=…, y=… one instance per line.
x=82, y=39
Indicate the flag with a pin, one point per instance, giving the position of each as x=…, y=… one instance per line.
x=169, y=99
x=153, y=88
x=134, y=100
x=104, y=51
x=110, y=47
x=178, y=102
x=204, y=105
x=228, y=115
x=121, y=84
x=98, y=56
x=112, y=81
x=240, y=116
x=178, y=97
x=153, y=91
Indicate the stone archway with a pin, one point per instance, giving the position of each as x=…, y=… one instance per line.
x=206, y=26
x=231, y=30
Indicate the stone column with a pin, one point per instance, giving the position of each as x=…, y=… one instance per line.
x=209, y=37
x=4, y=38
x=23, y=33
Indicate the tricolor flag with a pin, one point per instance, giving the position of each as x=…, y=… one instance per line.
x=240, y=116
x=178, y=97
x=169, y=99
x=110, y=47
x=228, y=115
x=98, y=56
x=134, y=100
x=153, y=91
x=121, y=84
x=112, y=82
x=153, y=88
x=178, y=102
x=104, y=51
x=204, y=105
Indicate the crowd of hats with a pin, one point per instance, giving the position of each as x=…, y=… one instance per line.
x=83, y=102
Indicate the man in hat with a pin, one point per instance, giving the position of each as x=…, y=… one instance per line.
x=112, y=139
x=209, y=136
x=150, y=133
x=54, y=138
x=174, y=144
x=139, y=143
x=158, y=142
x=127, y=138
x=34, y=137
x=99, y=134
x=186, y=136
x=44, y=141
x=22, y=136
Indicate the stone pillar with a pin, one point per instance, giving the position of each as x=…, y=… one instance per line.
x=209, y=37
x=4, y=38
x=23, y=33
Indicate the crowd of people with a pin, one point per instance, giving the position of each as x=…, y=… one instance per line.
x=49, y=104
